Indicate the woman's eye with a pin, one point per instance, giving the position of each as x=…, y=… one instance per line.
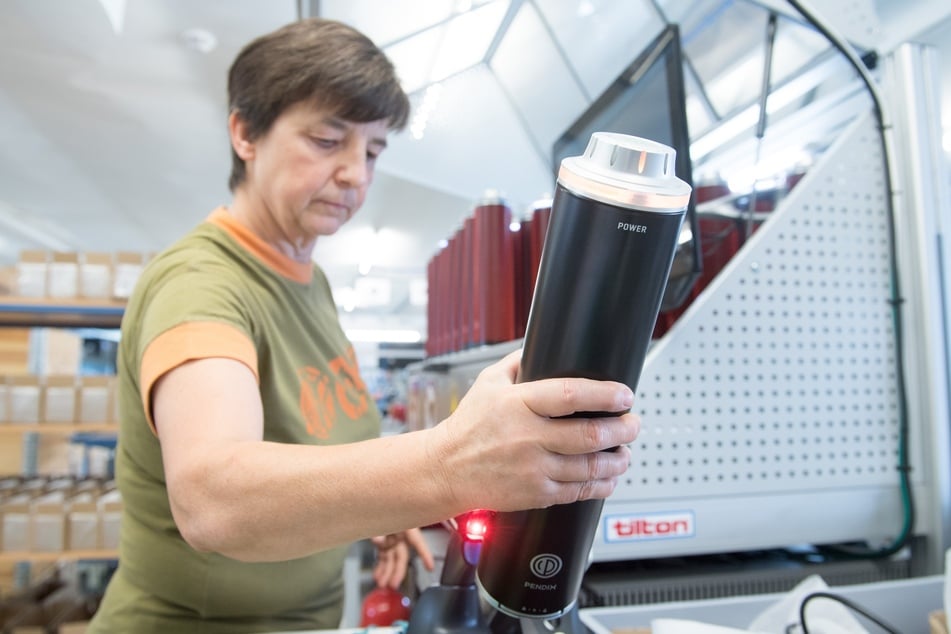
x=325, y=143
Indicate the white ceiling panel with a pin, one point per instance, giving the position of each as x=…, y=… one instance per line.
x=600, y=38
x=393, y=20
x=535, y=76
x=473, y=141
x=725, y=43
x=449, y=48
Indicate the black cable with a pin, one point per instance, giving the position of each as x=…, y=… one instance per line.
x=804, y=628
x=896, y=300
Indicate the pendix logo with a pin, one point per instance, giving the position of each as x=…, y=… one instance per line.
x=546, y=565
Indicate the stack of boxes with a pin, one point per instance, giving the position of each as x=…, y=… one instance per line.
x=79, y=508
x=38, y=399
x=51, y=515
x=67, y=275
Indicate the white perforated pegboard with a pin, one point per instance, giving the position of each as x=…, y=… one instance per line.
x=780, y=378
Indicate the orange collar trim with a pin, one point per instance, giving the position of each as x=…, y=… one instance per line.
x=271, y=257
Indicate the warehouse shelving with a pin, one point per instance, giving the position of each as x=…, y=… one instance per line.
x=35, y=312
x=57, y=428
x=29, y=312
x=54, y=556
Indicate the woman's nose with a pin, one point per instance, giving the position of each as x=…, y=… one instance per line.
x=354, y=170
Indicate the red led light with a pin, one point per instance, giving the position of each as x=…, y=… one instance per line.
x=476, y=527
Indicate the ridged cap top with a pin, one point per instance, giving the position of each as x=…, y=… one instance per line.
x=628, y=171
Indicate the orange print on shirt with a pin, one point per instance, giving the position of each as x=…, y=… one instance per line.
x=323, y=395
x=316, y=402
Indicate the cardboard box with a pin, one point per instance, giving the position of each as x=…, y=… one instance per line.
x=15, y=520
x=127, y=267
x=32, y=269
x=82, y=522
x=95, y=400
x=55, y=351
x=23, y=393
x=8, y=280
x=59, y=399
x=110, y=515
x=62, y=280
x=95, y=275
x=48, y=523
x=15, y=350
x=101, y=458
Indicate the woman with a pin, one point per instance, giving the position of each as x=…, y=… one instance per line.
x=249, y=456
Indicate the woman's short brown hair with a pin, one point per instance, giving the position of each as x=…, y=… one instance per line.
x=328, y=62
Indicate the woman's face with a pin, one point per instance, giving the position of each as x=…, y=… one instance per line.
x=311, y=170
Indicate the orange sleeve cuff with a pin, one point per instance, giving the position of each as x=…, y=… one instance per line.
x=188, y=342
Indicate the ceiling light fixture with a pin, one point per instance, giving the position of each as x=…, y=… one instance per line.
x=431, y=97
x=346, y=298
x=198, y=39
x=115, y=11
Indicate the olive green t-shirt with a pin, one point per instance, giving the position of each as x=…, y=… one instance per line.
x=222, y=292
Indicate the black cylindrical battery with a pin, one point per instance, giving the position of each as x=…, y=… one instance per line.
x=615, y=223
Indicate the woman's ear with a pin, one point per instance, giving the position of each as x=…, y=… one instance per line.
x=238, y=131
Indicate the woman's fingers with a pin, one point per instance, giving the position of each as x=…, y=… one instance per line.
x=563, y=397
x=510, y=446
x=393, y=555
x=414, y=537
x=390, y=568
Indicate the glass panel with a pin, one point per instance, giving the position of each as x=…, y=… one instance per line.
x=726, y=48
x=414, y=58
x=490, y=149
x=447, y=49
x=601, y=37
x=386, y=22
x=797, y=47
x=699, y=115
x=537, y=80
x=726, y=45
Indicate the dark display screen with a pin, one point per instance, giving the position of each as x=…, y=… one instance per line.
x=647, y=100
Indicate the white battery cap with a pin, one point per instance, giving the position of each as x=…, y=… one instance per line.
x=623, y=154
x=626, y=170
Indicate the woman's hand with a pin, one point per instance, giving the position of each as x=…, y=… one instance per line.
x=393, y=555
x=501, y=450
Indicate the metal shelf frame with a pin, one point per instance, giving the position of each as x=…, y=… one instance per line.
x=29, y=312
